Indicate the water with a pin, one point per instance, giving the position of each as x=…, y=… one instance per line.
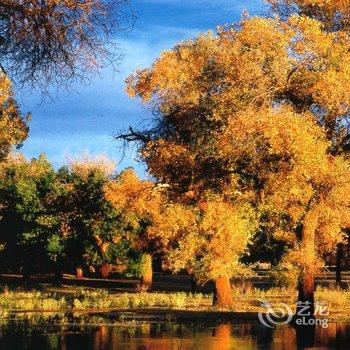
x=160, y=336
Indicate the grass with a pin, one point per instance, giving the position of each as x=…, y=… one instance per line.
x=337, y=300
x=99, y=300
x=18, y=300
x=103, y=300
x=247, y=299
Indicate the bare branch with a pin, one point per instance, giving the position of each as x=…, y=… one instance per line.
x=133, y=136
x=58, y=42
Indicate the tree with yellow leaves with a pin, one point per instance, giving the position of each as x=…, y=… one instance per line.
x=13, y=126
x=181, y=231
x=257, y=114
x=207, y=240
x=283, y=158
x=138, y=202
x=335, y=14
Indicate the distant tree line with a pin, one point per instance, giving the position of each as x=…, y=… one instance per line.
x=54, y=221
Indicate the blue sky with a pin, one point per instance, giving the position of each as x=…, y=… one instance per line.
x=86, y=118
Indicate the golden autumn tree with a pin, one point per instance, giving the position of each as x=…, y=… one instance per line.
x=207, y=239
x=302, y=189
x=335, y=14
x=13, y=126
x=202, y=91
x=138, y=201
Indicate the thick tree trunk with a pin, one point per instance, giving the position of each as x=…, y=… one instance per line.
x=306, y=294
x=305, y=337
x=157, y=263
x=223, y=293
x=339, y=260
x=146, y=273
x=194, y=285
x=306, y=288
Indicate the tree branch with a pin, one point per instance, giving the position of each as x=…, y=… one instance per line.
x=133, y=136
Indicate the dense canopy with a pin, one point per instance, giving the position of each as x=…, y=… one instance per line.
x=257, y=115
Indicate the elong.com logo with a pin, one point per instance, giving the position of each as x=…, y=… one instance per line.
x=281, y=313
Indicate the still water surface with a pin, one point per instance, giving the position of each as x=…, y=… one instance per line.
x=174, y=337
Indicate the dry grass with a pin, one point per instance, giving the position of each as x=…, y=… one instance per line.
x=247, y=299
x=99, y=300
x=104, y=300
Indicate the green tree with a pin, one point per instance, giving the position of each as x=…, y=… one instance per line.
x=26, y=223
x=90, y=225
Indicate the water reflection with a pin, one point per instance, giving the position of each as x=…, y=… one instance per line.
x=154, y=336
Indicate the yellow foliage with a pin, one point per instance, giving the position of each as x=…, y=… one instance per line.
x=13, y=128
x=207, y=240
x=5, y=88
x=287, y=153
x=131, y=193
x=334, y=14
x=264, y=62
x=139, y=202
x=253, y=115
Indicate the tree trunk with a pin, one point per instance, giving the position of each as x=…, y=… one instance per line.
x=79, y=273
x=26, y=274
x=223, y=297
x=339, y=264
x=194, y=284
x=105, y=270
x=262, y=195
x=306, y=294
x=58, y=277
x=305, y=337
x=157, y=263
x=146, y=273
x=306, y=288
